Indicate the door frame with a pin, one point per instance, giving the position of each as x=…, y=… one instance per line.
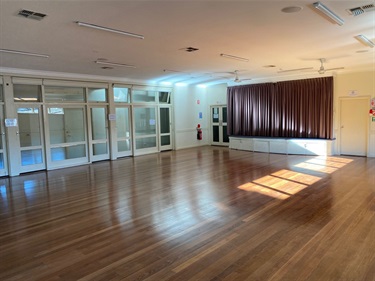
x=170, y=146
x=221, y=125
x=67, y=162
x=4, y=171
x=91, y=142
x=35, y=167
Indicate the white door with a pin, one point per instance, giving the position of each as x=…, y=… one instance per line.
x=218, y=119
x=3, y=154
x=165, y=128
x=30, y=136
x=67, y=142
x=145, y=129
x=354, y=126
x=98, y=140
x=124, y=131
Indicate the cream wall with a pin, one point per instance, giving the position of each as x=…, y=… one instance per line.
x=188, y=102
x=187, y=109
x=364, y=85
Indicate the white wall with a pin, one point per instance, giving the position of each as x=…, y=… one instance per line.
x=187, y=109
x=188, y=102
x=363, y=83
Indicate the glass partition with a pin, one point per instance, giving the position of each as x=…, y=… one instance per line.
x=121, y=95
x=143, y=96
x=27, y=93
x=64, y=94
x=97, y=95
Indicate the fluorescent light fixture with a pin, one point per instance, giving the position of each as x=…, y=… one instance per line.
x=114, y=64
x=23, y=53
x=364, y=40
x=203, y=86
x=328, y=13
x=234, y=57
x=109, y=29
x=180, y=84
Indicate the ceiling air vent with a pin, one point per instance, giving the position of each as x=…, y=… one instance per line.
x=360, y=10
x=189, y=49
x=31, y=15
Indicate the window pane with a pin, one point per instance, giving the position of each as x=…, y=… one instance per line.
x=224, y=114
x=99, y=148
x=143, y=96
x=164, y=97
x=121, y=95
x=1, y=161
x=164, y=121
x=122, y=122
x=225, y=135
x=27, y=93
x=215, y=133
x=28, y=125
x=66, y=125
x=99, y=123
x=1, y=93
x=165, y=140
x=145, y=123
x=145, y=142
x=124, y=145
x=31, y=157
x=64, y=94
x=71, y=152
x=97, y=95
x=215, y=115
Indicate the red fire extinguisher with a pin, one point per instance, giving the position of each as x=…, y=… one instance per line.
x=199, y=132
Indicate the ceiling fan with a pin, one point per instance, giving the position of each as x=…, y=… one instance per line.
x=322, y=70
x=236, y=77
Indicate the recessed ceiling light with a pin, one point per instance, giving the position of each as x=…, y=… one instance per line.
x=291, y=9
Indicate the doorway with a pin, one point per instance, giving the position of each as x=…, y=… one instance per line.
x=218, y=119
x=30, y=136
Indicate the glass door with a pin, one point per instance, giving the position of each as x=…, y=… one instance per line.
x=165, y=138
x=219, y=134
x=99, y=133
x=145, y=133
x=124, y=135
x=30, y=137
x=3, y=155
x=67, y=142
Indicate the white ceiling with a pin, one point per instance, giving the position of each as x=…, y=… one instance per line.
x=256, y=30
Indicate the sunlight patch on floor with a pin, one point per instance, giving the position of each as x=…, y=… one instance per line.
x=285, y=183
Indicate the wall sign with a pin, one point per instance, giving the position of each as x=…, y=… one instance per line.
x=11, y=122
x=111, y=117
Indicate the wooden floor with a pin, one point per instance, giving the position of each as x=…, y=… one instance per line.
x=206, y=213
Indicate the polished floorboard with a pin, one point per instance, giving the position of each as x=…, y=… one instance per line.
x=207, y=213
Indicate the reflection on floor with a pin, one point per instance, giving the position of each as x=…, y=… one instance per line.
x=207, y=213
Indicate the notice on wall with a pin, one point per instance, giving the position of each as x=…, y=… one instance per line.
x=200, y=115
x=11, y=122
x=112, y=117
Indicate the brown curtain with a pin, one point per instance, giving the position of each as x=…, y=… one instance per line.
x=293, y=109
